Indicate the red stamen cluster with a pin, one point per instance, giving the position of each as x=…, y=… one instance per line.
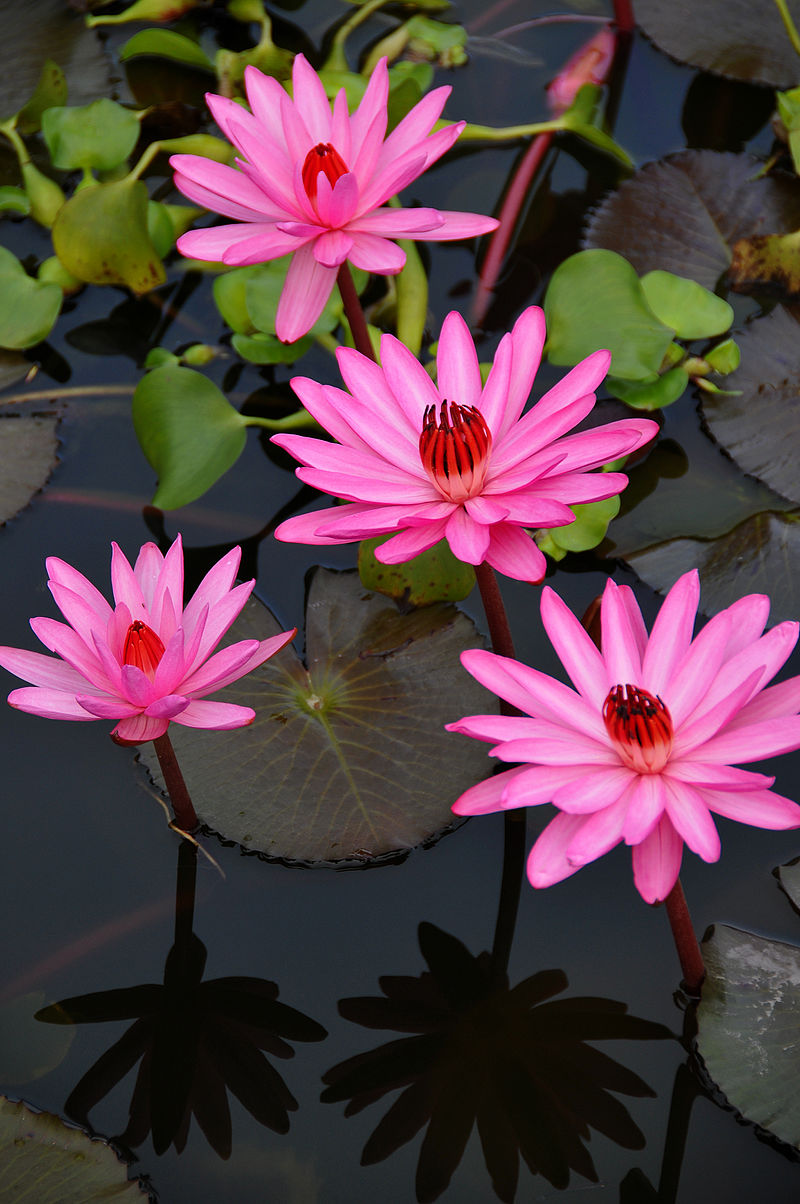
x=322, y=158
x=455, y=450
x=143, y=648
x=640, y=727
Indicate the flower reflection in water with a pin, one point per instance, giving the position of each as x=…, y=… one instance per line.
x=514, y=1061
x=195, y=1041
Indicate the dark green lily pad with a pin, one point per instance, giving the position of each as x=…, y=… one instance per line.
x=46, y=1160
x=765, y=551
x=28, y=455
x=749, y=1027
x=760, y=428
x=347, y=759
x=735, y=38
x=684, y=213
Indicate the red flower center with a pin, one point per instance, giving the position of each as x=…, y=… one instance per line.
x=455, y=450
x=640, y=727
x=322, y=158
x=143, y=648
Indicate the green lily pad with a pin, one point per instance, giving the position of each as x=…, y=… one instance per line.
x=760, y=428
x=347, y=759
x=650, y=394
x=749, y=1027
x=46, y=1160
x=101, y=236
x=595, y=299
x=433, y=576
x=28, y=455
x=588, y=530
x=765, y=550
x=188, y=430
x=98, y=136
x=28, y=307
x=685, y=212
x=734, y=38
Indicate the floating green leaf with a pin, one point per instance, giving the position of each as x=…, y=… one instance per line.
x=51, y=90
x=588, y=530
x=685, y=212
x=433, y=576
x=101, y=236
x=46, y=1160
x=166, y=44
x=347, y=758
x=595, y=300
x=261, y=348
x=692, y=311
x=749, y=1027
x=28, y=307
x=14, y=200
x=98, y=136
x=650, y=394
x=188, y=431
x=146, y=10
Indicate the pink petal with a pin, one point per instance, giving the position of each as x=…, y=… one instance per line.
x=308, y=286
x=619, y=644
x=224, y=667
x=223, y=189
x=458, y=375
x=646, y=804
x=408, y=380
x=578, y=654
x=220, y=716
x=264, y=95
x=373, y=254
x=137, y=688
x=468, y=540
x=485, y=797
x=125, y=584
x=310, y=100
x=42, y=670
x=672, y=632
x=547, y=860
x=138, y=728
x=536, y=784
x=167, y=707
x=491, y=727
x=657, y=862
x=107, y=708
x=336, y=205
x=332, y=248
x=396, y=223
x=597, y=788
x=368, y=123
x=48, y=704
x=527, y=337
x=722, y=777
x=692, y=820
x=67, y=644
x=63, y=574
x=410, y=543
x=753, y=742
x=212, y=589
x=761, y=809
x=513, y=552
x=458, y=225
x=601, y=832
x=265, y=242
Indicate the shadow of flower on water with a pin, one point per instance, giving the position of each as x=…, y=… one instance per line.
x=514, y=1061
x=194, y=1040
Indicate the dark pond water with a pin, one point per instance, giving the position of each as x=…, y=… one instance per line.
x=89, y=866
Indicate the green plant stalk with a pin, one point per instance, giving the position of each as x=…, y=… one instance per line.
x=336, y=60
x=291, y=422
x=791, y=28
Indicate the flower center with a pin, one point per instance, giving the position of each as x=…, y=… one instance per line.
x=322, y=158
x=455, y=450
x=143, y=648
x=640, y=727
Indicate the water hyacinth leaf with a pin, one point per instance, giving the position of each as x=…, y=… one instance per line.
x=347, y=758
x=44, y=1159
x=433, y=576
x=98, y=136
x=51, y=90
x=760, y=428
x=28, y=455
x=14, y=200
x=650, y=394
x=588, y=530
x=734, y=38
x=166, y=44
x=765, y=550
x=188, y=431
x=595, y=299
x=261, y=348
x=691, y=310
x=724, y=358
x=28, y=307
x=146, y=10
x=101, y=236
x=685, y=212
x=749, y=1027
x=436, y=41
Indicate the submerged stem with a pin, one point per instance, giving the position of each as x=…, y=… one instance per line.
x=185, y=814
x=353, y=311
x=683, y=934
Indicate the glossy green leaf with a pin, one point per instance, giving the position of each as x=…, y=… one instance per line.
x=261, y=348
x=45, y=195
x=188, y=431
x=691, y=310
x=724, y=358
x=166, y=44
x=146, y=10
x=650, y=394
x=433, y=576
x=51, y=90
x=347, y=758
x=595, y=300
x=14, y=200
x=28, y=307
x=749, y=1027
x=44, y=1159
x=588, y=530
x=99, y=136
x=101, y=236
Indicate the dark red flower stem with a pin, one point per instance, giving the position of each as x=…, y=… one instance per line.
x=353, y=311
x=623, y=17
x=496, y=617
x=185, y=814
x=683, y=934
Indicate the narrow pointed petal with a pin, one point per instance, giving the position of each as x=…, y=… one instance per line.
x=458, y=374
x=601, y=832
x=486, y=796
x=578, y=654
x=48, y=703
x=40, y=670
x=221, y=716
x=762, y=808
x=514, y=552
x=672, y=632
x=646, y=805
x=307, y=288
x=692, y=820
x=657, y=862
x=547, y=861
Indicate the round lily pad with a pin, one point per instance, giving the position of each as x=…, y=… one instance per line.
x=684, y=213
x=760, y=427
x=46, y=1160
x=28, y=455
x=734, y=38
x=347, y=759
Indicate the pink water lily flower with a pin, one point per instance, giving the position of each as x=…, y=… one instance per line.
x=644, y=749
x=315, y=183
x=147, y=661
x=457, y=460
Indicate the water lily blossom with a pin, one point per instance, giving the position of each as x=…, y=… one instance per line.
x=645, y=748
x=457, y=460
x=147, y=661
x=315, y=182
